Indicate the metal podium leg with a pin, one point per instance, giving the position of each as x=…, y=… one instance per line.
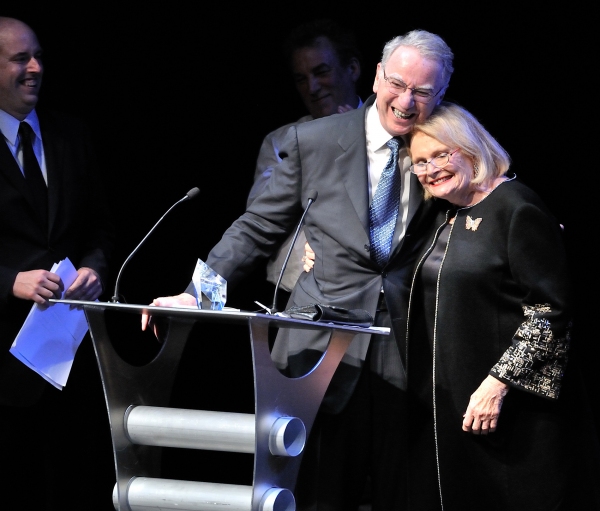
x=126, y=385
x=278, y=396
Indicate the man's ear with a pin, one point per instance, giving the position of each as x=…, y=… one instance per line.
x=354, y=68
x=376, y=81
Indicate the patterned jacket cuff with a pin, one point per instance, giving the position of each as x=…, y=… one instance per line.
x=537, y=359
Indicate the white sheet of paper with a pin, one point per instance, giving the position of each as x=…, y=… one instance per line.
x=49, y=338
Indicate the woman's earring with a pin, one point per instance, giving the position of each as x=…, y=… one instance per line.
x=476, y=169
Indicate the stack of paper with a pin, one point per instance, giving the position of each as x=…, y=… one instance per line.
x=49, y=338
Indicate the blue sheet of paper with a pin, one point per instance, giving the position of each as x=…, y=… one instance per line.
x=49, y=337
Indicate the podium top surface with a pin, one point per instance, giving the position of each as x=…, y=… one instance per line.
x=225, y=315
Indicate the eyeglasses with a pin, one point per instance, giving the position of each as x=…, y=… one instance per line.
x=439, y=162
x=397, y=87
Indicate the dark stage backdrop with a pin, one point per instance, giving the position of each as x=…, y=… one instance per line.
x=181, y=98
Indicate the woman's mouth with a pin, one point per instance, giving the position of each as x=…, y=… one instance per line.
x=440, y=180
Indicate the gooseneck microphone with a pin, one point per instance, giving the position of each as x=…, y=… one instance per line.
x=312, y=197
x=193, y=193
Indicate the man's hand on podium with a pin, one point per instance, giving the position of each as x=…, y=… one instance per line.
x=183, y=299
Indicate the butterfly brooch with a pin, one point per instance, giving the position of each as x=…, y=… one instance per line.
x=472, y=224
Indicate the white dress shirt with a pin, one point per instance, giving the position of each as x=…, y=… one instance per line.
x=378, y=154
x=9, y=126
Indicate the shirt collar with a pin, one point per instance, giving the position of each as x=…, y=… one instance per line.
x=9, y=126
x=377, y=136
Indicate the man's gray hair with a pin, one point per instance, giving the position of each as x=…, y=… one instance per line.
x=430, y=46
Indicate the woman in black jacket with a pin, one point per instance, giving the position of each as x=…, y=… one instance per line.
x=497, y=416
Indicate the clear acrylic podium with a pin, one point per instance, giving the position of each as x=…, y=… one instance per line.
x=137, y=398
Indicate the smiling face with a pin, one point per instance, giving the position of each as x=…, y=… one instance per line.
x=398, y=113
x=20, y=69
x=322, y=81
x=453, y=182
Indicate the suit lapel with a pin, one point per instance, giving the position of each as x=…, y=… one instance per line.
x=352, y=165
x=415, y=200
x=416, y=197
x=53, y=149
x=9, y=168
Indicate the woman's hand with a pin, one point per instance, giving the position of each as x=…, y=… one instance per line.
x=309, y=258
x=483, y=411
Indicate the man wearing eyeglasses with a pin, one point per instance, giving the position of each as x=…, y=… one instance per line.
x=358, y=434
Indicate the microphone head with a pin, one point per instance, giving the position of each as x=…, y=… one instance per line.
x=193, y=193
x=312, y=195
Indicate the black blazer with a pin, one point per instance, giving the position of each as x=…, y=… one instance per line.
x=79, y=228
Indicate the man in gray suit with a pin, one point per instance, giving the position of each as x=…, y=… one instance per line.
x=359, y=430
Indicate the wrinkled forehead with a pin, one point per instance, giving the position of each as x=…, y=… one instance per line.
x=407, y=64
x=420, y=140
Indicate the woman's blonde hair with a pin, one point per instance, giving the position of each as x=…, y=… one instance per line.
x=455, y=127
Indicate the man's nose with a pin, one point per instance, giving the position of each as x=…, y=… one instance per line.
x=406, y=99
x=34, y=65
x=313, y=84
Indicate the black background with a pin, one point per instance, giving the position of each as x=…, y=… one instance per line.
x=182, y=97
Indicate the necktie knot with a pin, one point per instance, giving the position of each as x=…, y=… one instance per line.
x=25, y=133
x=393, y=144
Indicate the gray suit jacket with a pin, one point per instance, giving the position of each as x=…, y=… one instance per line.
x=328, y=155
x=268, y=159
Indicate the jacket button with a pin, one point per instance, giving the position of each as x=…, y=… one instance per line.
x=367, y=248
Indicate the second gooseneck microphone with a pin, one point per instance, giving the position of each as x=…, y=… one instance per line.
x=194, y=192
x=312, y=197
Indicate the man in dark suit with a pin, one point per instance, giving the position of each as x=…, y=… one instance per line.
x=64, y=216
x=345, y=157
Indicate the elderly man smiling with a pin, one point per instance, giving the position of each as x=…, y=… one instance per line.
x=369, y=218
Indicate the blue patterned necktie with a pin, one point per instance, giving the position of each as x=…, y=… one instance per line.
x=383, y=211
